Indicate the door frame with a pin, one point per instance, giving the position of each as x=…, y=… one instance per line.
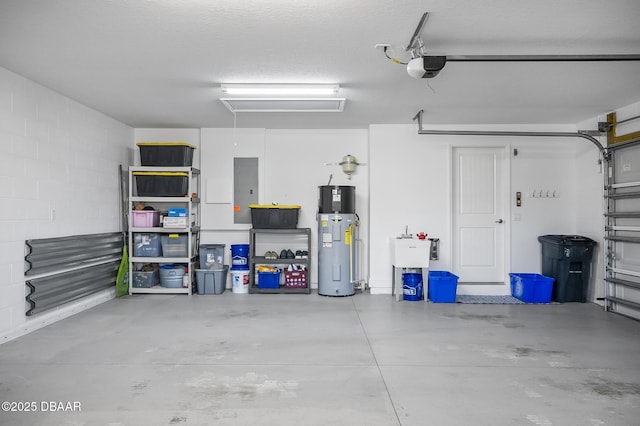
x=484, y=142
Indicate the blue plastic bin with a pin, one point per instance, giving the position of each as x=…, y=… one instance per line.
x=268, y=279
x=531, y=288
x=442, y=287
x=177, y=212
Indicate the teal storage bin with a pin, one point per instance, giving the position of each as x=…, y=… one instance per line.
x=442, y=287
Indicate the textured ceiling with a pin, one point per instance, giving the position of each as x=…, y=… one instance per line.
x=159, y=63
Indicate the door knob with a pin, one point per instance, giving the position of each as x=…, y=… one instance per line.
x=499, y=221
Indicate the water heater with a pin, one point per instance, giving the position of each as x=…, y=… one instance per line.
x=337, y=236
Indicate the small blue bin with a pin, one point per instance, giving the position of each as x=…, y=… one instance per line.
x=442, y=287
x=177, y=212
x=531, y=288
x=268, y=279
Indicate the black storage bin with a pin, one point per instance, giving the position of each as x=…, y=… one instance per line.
x=162, y=184
x=265, y=216
x=166, y=154
x=567, y=258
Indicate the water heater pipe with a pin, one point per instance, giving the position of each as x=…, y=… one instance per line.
x=352, y=258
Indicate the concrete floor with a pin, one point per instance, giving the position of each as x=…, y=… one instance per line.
x=312, y=360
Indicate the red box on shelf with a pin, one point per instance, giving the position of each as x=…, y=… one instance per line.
x=295, y=279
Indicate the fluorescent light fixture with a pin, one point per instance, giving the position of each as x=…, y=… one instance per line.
x=284, y=104
x=280, y=89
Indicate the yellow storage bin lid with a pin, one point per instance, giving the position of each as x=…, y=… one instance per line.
x=273, y=206
x=166, y=144
x=178, y=174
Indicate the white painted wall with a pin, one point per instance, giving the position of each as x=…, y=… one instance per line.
x=411, y=185
x=291, y=167
x=296, y=166
x=405, y=183
x=58, y=177
x=219, y=148
x=408, y=187
x=542, y=164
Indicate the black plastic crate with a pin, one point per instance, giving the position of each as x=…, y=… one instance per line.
x=162, y=184
x=166, y=154
x=274, y=217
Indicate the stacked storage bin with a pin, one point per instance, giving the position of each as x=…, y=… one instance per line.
x=145, y=245
x=211, y=277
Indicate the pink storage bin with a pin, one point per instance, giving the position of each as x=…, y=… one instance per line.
x=145, y=218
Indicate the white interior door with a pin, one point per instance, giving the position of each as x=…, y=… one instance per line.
x=479, y=214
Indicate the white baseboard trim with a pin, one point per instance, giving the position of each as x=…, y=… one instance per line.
x=379, y=286
x=380, y=290
x=44, y=319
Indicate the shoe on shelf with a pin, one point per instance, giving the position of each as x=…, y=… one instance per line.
x=290, y=254
x=298, y=254
x=283, y=254
x=271, y=255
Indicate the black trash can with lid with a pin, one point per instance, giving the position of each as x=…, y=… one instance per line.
x=567, y=259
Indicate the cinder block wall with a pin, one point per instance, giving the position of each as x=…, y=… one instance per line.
x=58, y=176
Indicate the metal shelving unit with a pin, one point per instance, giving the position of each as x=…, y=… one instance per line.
x=262, y=240
x=192, y=231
